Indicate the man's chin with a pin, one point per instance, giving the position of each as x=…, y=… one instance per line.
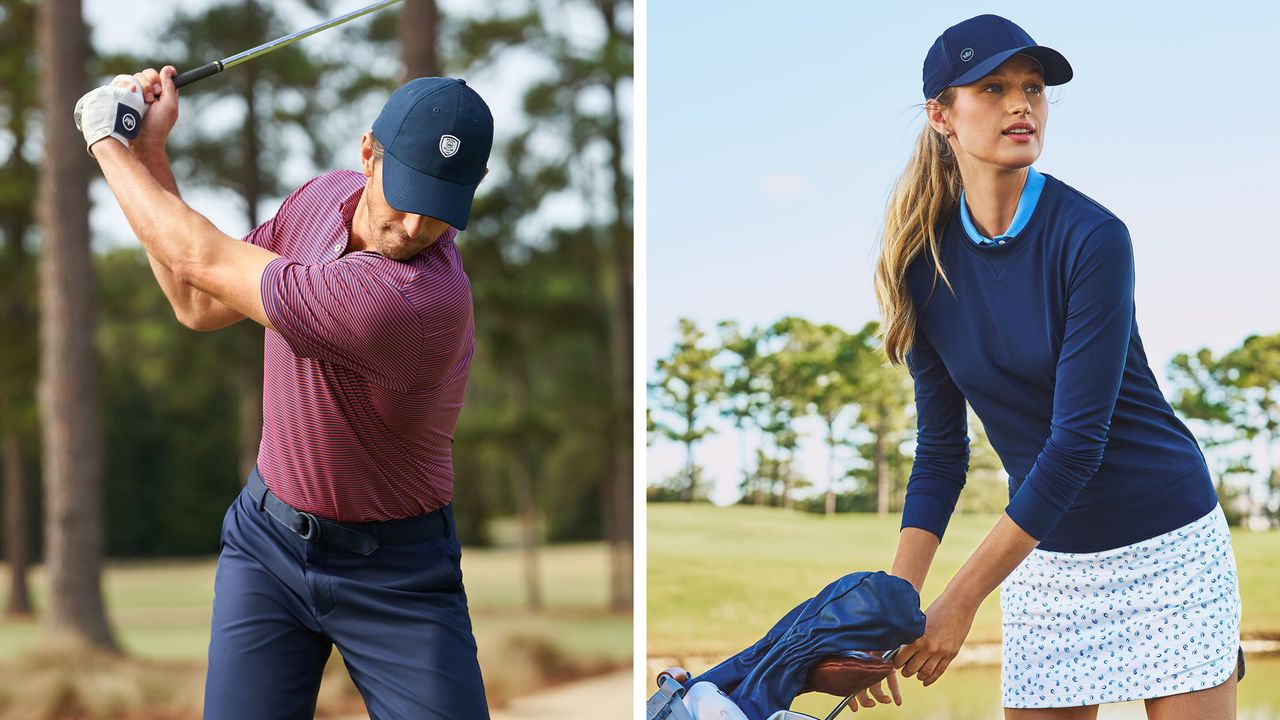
x=396, y=251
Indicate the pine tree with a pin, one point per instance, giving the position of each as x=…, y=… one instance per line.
x=18, y=362
x=686, y=386
x=72, y=455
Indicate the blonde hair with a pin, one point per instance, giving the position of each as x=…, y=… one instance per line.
x=927, y=192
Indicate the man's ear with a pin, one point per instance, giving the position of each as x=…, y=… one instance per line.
x=482, y=177
x=366, y=154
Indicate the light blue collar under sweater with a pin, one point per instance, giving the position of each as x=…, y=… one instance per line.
x=1026, y=205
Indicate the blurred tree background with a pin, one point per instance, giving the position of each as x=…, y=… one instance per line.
x=769, y=381
x=545, y=437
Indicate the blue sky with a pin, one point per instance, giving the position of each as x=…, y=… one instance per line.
x=775, y=131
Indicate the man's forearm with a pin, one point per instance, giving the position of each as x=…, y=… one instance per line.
x=181, y=296
x=156, y=161
x=163, y=223
x=193, y=307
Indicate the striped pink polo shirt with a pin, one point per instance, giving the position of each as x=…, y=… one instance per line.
x=365, y=374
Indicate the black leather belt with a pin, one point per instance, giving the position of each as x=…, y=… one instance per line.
x=361, y=538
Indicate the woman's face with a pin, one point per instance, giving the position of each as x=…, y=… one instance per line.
x=998, y=120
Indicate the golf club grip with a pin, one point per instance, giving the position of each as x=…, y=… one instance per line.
x=199, y=73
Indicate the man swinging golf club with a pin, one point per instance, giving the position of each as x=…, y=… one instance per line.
x=344, y=534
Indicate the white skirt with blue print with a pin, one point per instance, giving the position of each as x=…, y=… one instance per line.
x=1155, y=618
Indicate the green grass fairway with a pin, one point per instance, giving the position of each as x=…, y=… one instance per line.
x=719, y=577
x=160, y=609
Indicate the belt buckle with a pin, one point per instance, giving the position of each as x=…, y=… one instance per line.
x=312, y=531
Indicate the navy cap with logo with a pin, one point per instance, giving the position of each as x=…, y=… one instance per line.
x=969, y=51
x=436, y=135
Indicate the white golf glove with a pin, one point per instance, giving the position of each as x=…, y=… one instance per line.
x=111, y=111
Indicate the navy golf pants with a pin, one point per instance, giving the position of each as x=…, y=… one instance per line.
x=398, y=617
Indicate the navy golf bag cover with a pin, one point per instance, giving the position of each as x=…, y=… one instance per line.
x=867, y=611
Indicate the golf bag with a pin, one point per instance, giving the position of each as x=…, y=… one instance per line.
x=820, y=645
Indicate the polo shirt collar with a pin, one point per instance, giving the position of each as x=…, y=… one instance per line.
x=1026, y=206
x=348, y=206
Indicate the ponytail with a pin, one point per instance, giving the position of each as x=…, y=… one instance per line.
x=927, y=192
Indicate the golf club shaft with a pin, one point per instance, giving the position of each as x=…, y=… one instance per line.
x=217, y=66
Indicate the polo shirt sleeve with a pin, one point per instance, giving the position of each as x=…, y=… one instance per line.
x=264, y=236
x=942, y=442
x=342, y=312
x=1095, y=343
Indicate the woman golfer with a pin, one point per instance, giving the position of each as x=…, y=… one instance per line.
x=1012, y=291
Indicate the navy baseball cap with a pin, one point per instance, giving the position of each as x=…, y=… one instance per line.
x=968, y=51
x=436, y=135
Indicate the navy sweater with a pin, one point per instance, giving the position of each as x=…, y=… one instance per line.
x=1041, y=339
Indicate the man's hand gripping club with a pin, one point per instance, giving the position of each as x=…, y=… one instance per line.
x=120, y=109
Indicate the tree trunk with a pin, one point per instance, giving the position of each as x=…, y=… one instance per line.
x=786, y=470
x=527, y=471
x=770, y=479
x=72, y=458
x=882, y=472
x=529, y=530
x=760, y=473
x=622, y=357
x=248, y=383
x=20, y=357
x=690, y=492
x=1273, y=475
x=831, y=469
x=419, y=23
x=17, y=553
x=247, y=374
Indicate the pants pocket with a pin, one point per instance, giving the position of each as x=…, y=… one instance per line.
x=429, y=566
x=226, y=521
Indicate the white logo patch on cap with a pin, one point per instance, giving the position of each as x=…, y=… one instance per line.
x=966, y=54
x=449, y=145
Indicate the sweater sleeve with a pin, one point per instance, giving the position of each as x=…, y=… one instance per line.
x=1090, y=366
x=942, y=443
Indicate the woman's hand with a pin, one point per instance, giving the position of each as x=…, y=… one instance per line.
x=865, y=698
x=950, y=617
x=947, y=624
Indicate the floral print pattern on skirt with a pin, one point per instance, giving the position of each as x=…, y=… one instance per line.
x=1155, y=618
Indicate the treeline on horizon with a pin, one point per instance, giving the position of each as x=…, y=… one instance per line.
x=764, y=380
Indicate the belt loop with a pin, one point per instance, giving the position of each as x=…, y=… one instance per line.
x=447, y=515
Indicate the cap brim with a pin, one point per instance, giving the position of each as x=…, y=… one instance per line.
x=411, y=191
x=1057, y=70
